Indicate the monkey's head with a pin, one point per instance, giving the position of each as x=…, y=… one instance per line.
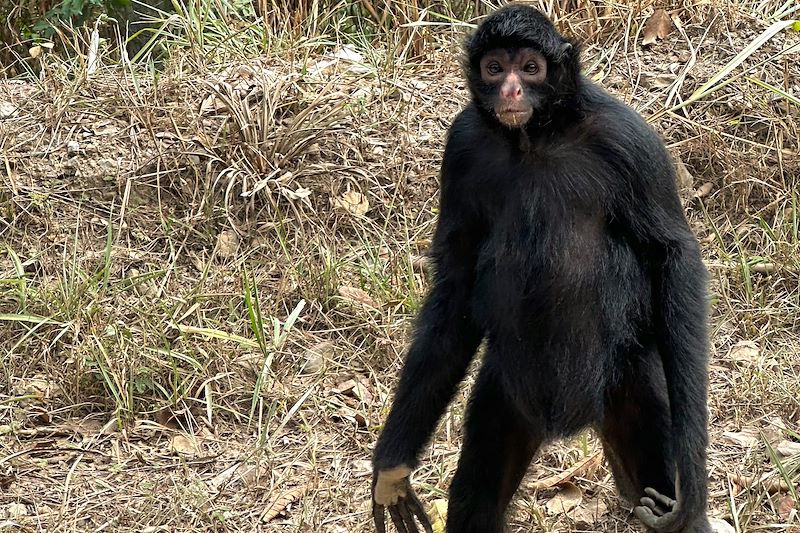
x=519, y=68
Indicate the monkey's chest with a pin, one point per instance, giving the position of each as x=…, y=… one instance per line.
x=541, y=272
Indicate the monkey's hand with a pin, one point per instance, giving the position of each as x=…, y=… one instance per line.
x=391, y=488
x=663, y=514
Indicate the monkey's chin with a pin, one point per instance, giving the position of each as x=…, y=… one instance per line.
x=514, y=119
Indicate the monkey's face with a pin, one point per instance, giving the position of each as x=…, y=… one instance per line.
x=513, y=83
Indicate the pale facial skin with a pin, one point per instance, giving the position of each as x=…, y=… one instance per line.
x=516, y=73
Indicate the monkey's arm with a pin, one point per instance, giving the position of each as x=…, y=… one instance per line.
x=445, y=340
x=681, y=316
x=680, y=313
x=446, y=336
x=444, y=343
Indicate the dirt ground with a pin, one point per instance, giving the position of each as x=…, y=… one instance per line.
x=207, y=283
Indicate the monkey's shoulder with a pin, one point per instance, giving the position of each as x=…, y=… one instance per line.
x=618, y=128
x=469, y=130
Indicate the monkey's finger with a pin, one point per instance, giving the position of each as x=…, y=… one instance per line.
x=416, y=508
x=397, y=519
x=672, y=521
x=645, y=515
x=660, y=498
x=408, y=518
x=379, y=517
x=648, y=502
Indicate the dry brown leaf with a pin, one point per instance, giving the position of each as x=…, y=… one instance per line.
x=746, y=438
x=280, y=504
x=350, y=415
x=770, y=483
x=357, y=295
x=579, y=469
x=16, y=510
x=589, y=513
x=568, y=497
x=353, y=202
x=439, y=515
x=227, y=243
x=355, y=388
x=763, y=268
x=788, y=448
x=719, y=525
x=316, y=356
x=182, y=445
x=703, y=190
x=657, y=26
x=685, y=178
x=745, y=352
x=786, y=508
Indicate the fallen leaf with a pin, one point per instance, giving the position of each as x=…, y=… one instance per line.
x=439, y=515
x=770, y=483
x=227, y=243
x=788, y=448
x=685, y=178
x=578, y=469
x=786, y=508
x=350, y=415
x=280, y=504
x=763, y=268
x=703, y=190
x=663, y=81
x=568, y=497
x=353, y=202
x=301, y=193
x=316, y=356
x=182, y=445
x=355, y=388
x=721, y=526
x=589, y=513
x=745, y=352
x=357, y=295
x=344, y=387
x=657, y=26
x=746, y=438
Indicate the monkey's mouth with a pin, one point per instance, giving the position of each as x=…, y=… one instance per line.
x=514, y=118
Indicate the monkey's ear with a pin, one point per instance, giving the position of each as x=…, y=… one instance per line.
x=565, y=52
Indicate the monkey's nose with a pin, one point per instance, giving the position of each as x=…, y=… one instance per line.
x=513, y=92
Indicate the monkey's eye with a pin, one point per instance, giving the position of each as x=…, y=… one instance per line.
x=531, y=68
x=494, y=68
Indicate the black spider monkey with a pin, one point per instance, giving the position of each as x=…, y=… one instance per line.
x=562, y=243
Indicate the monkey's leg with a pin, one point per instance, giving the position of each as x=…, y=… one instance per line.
x=496, y=453
x=637, y=437
x=636, y=431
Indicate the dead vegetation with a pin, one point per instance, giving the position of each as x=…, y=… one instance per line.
x=207, y=276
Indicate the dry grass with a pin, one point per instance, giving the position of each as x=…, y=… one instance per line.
x=208, y=275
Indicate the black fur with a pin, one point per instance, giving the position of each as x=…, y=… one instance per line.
x=564, y=246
